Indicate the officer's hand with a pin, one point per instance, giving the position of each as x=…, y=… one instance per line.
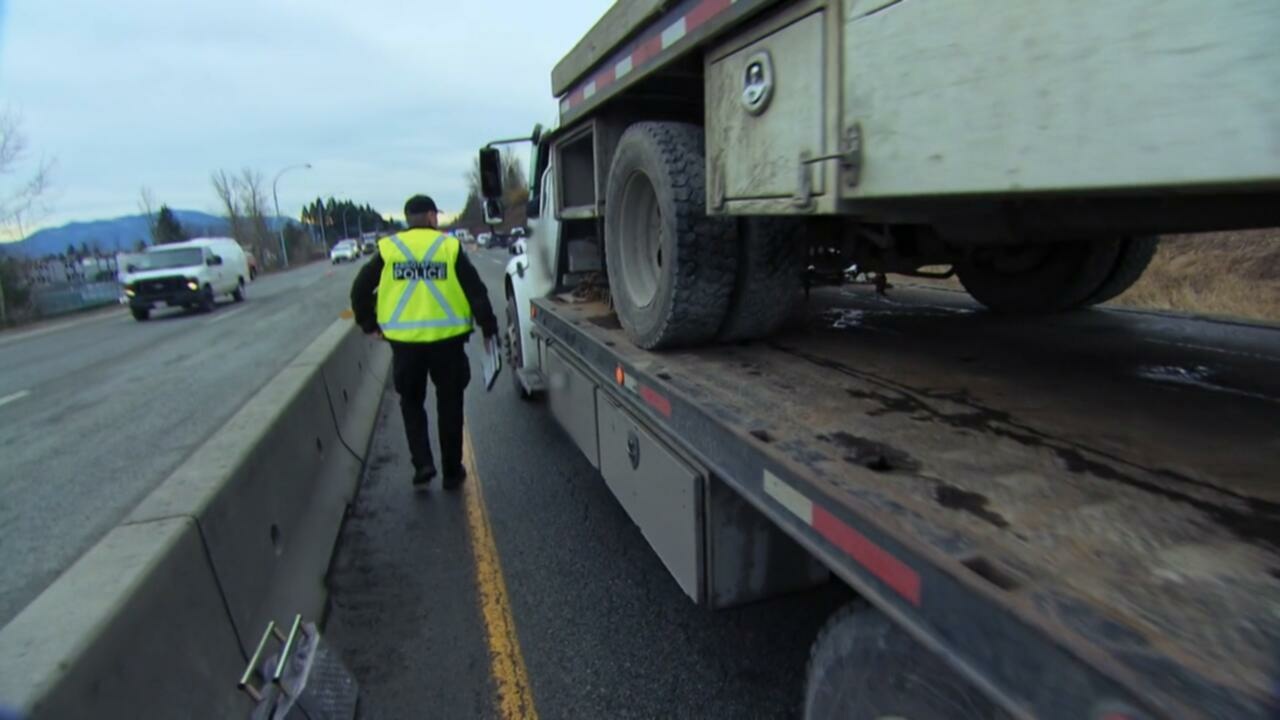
x=375, y=334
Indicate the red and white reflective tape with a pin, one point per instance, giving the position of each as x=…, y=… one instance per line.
x=876, y=560
x=651, y=397
x=673, y=32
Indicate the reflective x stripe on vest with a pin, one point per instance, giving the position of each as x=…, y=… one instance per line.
x=451, y=317
x=437, y=277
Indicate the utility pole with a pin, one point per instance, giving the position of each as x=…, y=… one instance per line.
x=284, y=252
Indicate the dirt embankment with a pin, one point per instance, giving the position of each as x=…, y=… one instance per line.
x=1227, y=273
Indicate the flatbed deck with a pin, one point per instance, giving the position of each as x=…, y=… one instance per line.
x=1084, y=511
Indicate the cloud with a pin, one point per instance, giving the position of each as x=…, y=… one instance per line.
x=384, y=98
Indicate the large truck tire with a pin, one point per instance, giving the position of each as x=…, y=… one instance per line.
x=770, y=278
x=670, y=266
x=1038, y=278
x=515, y=348
x=1135, y=255
x=863, y=667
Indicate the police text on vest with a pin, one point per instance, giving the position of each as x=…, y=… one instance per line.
x=420, y=271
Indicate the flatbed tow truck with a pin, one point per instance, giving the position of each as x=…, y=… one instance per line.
x=1091, y=558
x=1047, y=550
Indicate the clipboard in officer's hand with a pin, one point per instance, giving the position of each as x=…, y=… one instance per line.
x=491, y=363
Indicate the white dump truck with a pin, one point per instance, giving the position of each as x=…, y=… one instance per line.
x=713, y=158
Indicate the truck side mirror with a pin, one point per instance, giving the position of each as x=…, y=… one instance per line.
x=493, y=212
x=490, y=173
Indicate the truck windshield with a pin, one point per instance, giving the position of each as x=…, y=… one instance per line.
x=165, y=259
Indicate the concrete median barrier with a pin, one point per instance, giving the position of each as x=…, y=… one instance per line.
x=241, y=533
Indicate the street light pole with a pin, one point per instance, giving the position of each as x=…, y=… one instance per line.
x=345, y=233
x=275, y=197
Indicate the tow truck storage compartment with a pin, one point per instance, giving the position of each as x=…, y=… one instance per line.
x=766, y=110
x=660, y=492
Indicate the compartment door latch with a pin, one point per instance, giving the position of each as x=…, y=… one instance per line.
x=849, y=156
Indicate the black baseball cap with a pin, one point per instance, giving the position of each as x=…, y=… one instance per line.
x=419, y=205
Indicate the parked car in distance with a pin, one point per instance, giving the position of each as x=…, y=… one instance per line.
x=464, y=235
x=344, y=251
x=190, y=274
x=370, y=246
x=483, y=239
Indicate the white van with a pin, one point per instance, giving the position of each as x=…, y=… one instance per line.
x=190, y=274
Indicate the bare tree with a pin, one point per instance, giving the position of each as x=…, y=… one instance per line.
x=253, y=202
x=244, y=202
x=20, y=200
x=227, y=190
x=20, y=204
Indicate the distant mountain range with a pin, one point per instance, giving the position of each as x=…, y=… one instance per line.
x=111, y=235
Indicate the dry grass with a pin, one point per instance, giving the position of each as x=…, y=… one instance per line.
x=1228, y=273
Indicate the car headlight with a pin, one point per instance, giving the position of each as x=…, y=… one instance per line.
x=130, y=292
x=193, y=285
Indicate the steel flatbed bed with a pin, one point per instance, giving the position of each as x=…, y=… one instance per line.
x=1081, y=514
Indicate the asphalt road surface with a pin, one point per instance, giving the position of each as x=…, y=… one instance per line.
x=95, y=411
x=601, y=629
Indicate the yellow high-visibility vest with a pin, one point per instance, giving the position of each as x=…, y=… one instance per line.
x=419, y=297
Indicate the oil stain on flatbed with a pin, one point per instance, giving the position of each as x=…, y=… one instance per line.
x=954, y=498
x=870, y=454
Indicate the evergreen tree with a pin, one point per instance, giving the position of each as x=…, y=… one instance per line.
x=168, y=229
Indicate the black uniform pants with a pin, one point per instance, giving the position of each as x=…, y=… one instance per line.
x=447, y=365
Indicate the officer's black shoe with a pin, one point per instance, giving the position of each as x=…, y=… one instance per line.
x=422, y=477
x=453, y=480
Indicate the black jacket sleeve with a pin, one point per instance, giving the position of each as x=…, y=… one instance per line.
x=477, y=295
x=364, y=294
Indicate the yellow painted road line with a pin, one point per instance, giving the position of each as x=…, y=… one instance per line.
x=506, y=663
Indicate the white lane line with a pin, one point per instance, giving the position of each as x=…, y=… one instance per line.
x=15, y=396
x=224, y=315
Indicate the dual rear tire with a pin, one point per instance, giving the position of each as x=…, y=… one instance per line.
x=1055, y=277
x=679, y=277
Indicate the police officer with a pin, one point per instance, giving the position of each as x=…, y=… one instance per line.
x=421, y=293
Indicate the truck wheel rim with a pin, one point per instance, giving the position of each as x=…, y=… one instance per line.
x=641, y=240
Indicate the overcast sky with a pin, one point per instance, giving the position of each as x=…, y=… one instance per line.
x=384, y=98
